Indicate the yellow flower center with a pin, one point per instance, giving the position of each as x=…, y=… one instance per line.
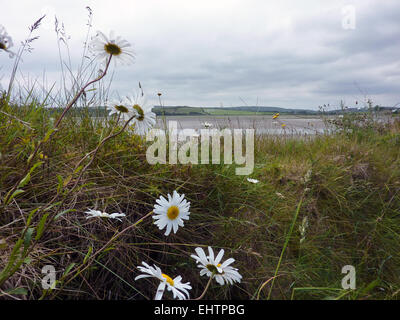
x=121, y=108
x=112, y=48
x=213, y=268
x=169, y=279
x=139, y=111
x=172, y=212
x=2, y=46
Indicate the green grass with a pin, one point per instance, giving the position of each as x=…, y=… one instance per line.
x=352, y=202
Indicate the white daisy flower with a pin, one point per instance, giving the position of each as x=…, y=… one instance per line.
x=212, y=267
x=118, y=107
x=119, y=48
x=6, y=41
x=255, y=181
x=280, y=195
x=96, y=213
x=145, y=119
x=179, y=289
x=171, y=213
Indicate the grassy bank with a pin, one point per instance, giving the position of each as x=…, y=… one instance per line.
x=344, y=189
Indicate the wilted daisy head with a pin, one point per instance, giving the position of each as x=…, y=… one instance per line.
x=255, y=181
x=212, y=266
x=179, y=289
x=5, y=41
x=118, y=48
x=207, y=125
x=145, y=119
x=124, y=110
x=171, y=213
x=99, y=214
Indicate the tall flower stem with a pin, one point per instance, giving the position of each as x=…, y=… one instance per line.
x=49, y=135
x=80, y=92
x=94, y=152
x=54, y=129
x=206, y=288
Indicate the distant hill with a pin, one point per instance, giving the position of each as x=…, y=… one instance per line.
x=228, y=111
x=251, y=110
x=212, y=111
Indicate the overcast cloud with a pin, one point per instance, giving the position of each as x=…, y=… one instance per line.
x=229, y=52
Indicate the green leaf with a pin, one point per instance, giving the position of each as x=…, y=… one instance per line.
x=88, y=254
x=68, y=180
x=371, y=286
x=17, y=291
x=15, y=193
x=48, y=134
x=108, y=249
x=41, y=225
x=85, y=185
x=68, y=269
x=28, y=221
x=12, y=258
x=27, y=178
x=28, y=237
x=60, y=183
x=78, y=169
x=52, y=206
x=27, y=260
x=30, y=157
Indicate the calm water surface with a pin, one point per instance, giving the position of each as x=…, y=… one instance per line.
x=262, y=124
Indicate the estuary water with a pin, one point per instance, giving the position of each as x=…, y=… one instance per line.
x=263, y=124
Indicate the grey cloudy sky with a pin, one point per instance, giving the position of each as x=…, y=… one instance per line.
x=229, y=52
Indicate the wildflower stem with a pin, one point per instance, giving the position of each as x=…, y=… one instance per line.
x=94, y=152
x=206, y=288
x=33, y=155
x=80, y=92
